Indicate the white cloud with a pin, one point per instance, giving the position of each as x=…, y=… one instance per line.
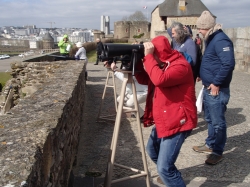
x=87, y=13
x=230, y=13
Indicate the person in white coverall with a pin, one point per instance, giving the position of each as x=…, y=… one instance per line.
x=141, y=90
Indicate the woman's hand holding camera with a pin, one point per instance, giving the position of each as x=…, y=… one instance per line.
x=148, y=48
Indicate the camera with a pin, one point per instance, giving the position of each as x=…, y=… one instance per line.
x=129, y=55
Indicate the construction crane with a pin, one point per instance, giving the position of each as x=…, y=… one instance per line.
x=51, y=24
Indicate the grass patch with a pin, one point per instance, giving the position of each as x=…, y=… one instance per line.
x=4, y=77
x=91, y=56
x=10, y=53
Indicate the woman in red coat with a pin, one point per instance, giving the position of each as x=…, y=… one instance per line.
x=170, y=106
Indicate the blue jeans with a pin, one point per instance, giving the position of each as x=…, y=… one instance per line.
x=164, y=152
x=214, y=111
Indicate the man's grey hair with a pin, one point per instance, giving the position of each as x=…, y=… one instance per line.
x=180, y=32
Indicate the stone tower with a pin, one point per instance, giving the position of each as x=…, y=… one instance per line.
x=48, y=41
x=121, y=29
x=129, y=29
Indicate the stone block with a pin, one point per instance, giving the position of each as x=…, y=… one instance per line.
x=230, y=33
x=248, y=32
x=241, y=62
x=239, y=42
x=239, y=48
x=247, y=58
x=247, y=64
x=2, y=99
x=9, y=102
x=237, y=66
x=239, y=56
x=241, y=32
x=247, y=43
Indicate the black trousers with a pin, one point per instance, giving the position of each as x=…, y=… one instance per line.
x=97, y=58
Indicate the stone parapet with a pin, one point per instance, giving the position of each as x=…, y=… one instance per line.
x=241, y=40
x=39, y=136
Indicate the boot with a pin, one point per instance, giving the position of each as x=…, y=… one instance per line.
x=86, y=75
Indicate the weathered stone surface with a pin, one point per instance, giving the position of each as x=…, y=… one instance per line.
x=39, y=136
x=240, y=38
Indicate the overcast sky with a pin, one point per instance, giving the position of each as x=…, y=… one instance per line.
x=87, y=13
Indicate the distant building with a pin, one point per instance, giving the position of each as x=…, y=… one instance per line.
x=184, y=11
x=131, y=29
x=7, y=30
x=43, y=32
x=21, y=32
x=105, y=24
x=26, y=31
x=29, y=26
x=98, y=34
x=80, y=36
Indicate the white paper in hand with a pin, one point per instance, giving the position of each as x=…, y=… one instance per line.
x=68, y=47
x=200, y=100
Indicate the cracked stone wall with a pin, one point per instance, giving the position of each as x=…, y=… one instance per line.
x=241, y=39
x=39, y=136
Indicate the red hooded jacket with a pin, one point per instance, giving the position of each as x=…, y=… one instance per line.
x=170, y=103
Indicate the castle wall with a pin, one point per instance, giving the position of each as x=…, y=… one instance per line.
x=143, y=26
x=241, y=39
x=191, y=21
x=14, y=42
x=121, y=29
x=48, y=44
x=128, y=29
x=156, y=23
x=39, y=136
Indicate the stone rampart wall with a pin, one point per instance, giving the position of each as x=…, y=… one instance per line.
x=241, y=39
x=14, y=42
x=39, y=136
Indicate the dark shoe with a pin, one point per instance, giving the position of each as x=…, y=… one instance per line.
x=202, y=149
x=141, y=119
x=133, y=116
x=159, y=180
x=214, y=159
x=96, y=64
x=86, y=75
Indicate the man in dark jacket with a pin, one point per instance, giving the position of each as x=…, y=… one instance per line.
x=216, y=74
x=182, y=41
x=99, y=49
